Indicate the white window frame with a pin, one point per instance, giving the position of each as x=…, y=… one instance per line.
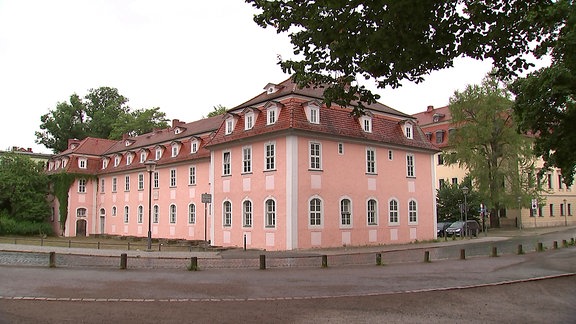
x=155, y=214
x=126, y=214
x=102, y=185
x=116, y=160
x=158, y=154
x=372, y=212
x=140, y=181
x=127, y=183
x=314, y=115
x=393, y=211
x=315, y=160
x=192, y=175
x=140, y=214
x=82, y=163
x=82, y=185
x=316, y=212
x=114, y=184
x=390, y=155
x=247, y=159
x=248, y=121
x=173, y=178
x=247, y=213
x=340, y=148
x=271, y=115
x=173, y=214
x=370, y=160
x=194, y=146
x=229, y=126
x=270, y=156
x=270, y=213
x=410, y=166
x=345, y=215
x=156, y=179
x=227, y=213
x=226, y=163
x=366, y=123
x=409, y=131
x=114, y=211
x=412, y=212
x=81, y=212
x=142, y=157
x=104, y=163
x=175, y=150
x=191, y=213
x=128, y=159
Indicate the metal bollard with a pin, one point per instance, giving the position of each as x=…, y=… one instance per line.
x=426, y=256
x=462, y=254
x=520, y=250
x=123, y=261
x=378, y=258
x=262, y=262
x=193, y=264
x=52, y=260
x=494, y=252
x=324, y=261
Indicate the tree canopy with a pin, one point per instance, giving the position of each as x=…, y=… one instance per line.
x=499, y=159
x=450, y=202
x=217, y=110
x=103, y=113
x=23, y=188
x=343, y=43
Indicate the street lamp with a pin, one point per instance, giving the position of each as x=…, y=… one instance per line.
x=465, y=192
x=150, y=167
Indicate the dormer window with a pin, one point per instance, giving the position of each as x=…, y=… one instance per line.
x=229, y=125
x=194, y=146
x=439, y=136
x=177, y=130
x=82, y=163
x=142, y=157
x=58, y=164
x=436, y=117
x=429, y=136
x=128, y=142
x=64, y=162
x=409, y=130
x=272, y=88
x=312, y=110
x=175, y=149
x=271, y=115
x=129, y=158
x=158, y=153
x=248, y=120
x=104, y=163
x=366, y=122
x=116, y=160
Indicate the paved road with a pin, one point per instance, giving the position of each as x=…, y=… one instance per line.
x=506, y=289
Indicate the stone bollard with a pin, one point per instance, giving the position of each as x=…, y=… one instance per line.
x=262, y=262
x=494, y=252
x=378, y=259
x=193, y=264
x=564, y=243
x=123, y=261
x=540, y=247
x=555, y=245
x=324, y=261
x=520, y=251
x=52, y=260
x=426, y=256
x=462, y=254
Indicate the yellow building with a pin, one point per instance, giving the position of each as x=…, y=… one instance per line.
x=555, y=206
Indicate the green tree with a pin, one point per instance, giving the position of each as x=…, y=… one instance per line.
x=218, y=110
x=450, y=202
x=546, y=105
x=338, y=42
x=499, y=159
x=103, y=113
x=23, y=188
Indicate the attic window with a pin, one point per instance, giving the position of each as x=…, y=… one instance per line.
x=271, y=115
x=158, y=154
x=313, y=113
x=116, y=160
x=128, y=142
x=366, y=122
x=178, y=130
x=248, y=120
x=104, y=163
x=142, y=157
x=194, y=146
x=129, y=157
x=409, y=130
x=175, y=150
x=82, y=163
x=429, y=136
x=436, y=117
x=439, y=136
x=229, y=126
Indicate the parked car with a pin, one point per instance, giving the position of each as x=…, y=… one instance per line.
x=442, y=226
x=460, y=228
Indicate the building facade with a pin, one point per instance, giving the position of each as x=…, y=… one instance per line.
x=555, y=206
x=283, y=171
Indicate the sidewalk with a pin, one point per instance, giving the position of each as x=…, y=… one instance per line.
x=492, y=235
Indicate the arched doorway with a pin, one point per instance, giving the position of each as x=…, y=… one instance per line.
x=81, y=227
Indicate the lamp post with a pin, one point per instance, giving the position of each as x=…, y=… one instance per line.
x=465, y=192
x=150, y=167
x=565, y=211
x=520, y=212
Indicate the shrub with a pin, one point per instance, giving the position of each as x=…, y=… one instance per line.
x=11, y=226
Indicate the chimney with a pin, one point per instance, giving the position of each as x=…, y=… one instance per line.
x=430, y=108
x=29, y=150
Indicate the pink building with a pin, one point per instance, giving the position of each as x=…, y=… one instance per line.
x=283, y=170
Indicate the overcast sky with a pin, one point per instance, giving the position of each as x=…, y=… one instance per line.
x=182, y=56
